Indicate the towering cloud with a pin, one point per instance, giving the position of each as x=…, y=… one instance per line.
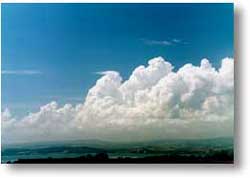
x=154, y=103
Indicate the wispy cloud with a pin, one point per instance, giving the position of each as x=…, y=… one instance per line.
x=21, y=72
x=178, y=41
x=157, y=42
x=170, y=42
x=108, y=72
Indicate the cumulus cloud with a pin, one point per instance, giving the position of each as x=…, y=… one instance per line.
x=154, y=103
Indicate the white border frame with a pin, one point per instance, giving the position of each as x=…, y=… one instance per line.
x=242, y=122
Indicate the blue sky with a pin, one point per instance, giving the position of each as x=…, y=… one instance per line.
x=53, y=51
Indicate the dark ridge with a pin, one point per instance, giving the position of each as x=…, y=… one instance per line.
x=218, y=157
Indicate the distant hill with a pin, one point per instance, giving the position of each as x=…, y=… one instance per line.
x=179, y=148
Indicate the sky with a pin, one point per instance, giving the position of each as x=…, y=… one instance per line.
x=53, y=51
x=118, y=72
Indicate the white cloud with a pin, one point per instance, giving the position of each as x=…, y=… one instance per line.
x=154, y=103
x=171, y=42
x=21, y=72
x=157, y=42
x=178, y=41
